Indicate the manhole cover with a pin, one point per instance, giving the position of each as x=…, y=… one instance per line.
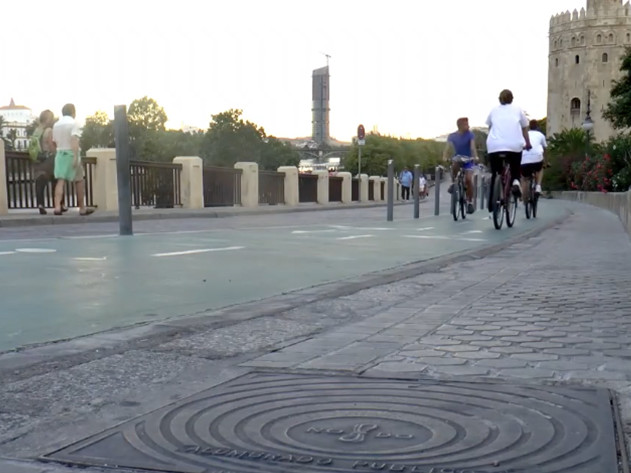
x=277, y=423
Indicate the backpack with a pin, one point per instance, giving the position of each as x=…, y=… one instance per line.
x=35, y=145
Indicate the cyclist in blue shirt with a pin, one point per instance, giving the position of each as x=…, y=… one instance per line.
x=462, y=143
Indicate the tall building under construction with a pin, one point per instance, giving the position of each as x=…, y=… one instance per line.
x=320, y=110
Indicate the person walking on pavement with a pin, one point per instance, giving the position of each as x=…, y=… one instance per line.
x=508, y=136
x=68, y=168
x=406, y=179
x=462, y=143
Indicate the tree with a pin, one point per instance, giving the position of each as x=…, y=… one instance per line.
x=618, y=110
x=276, y=153
x=230, y=139
x=146, y=114
x=98, y=132
x=565, y=149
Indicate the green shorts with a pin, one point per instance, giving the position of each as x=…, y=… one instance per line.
x=64, y=165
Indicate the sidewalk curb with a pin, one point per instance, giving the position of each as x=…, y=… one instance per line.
x=32, y=360
x=166, y=214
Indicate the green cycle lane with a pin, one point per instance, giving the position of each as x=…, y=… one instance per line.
x=60, y=288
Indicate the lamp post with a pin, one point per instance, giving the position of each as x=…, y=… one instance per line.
x=588, y=123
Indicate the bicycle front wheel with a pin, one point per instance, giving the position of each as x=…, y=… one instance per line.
x=511, y=210
x=462, y=201
x=528, y=206
x=454, y=202
x=498, y=192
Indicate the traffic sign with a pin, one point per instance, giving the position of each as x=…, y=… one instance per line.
x=361, y=133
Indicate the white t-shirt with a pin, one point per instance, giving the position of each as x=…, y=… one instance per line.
x=506, y=123
x=64, y=130
x=538, y=142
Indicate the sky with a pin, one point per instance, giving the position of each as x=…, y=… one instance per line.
x=407, y=68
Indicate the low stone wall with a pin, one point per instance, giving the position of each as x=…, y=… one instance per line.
x=616, y=202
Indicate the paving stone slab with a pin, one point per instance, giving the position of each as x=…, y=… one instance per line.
x=281, y=423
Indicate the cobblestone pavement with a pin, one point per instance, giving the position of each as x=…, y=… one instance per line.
x=554, y=309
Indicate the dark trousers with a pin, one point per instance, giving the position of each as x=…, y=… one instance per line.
x=497, y=163
x=405, y=193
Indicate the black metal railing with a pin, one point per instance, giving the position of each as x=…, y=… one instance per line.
x=307, y=188
x=20, y=181
x=271, y=187
x=371, y=190
x=222, y=186
x=355, y=190
x=335, y=189
x=155, y=184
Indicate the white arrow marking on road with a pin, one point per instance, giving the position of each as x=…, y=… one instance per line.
x=423, y=229
x=302, y=232
x=91, y=259
x=193, y=252
x=4, y=253
x=354, y=237
x=472, y=231
x=35, y=250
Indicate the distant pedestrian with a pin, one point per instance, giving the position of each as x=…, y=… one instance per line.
x=422, y=186
x=406, y=179
x=68, y=168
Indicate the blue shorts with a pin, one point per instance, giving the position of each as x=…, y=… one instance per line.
x=468, y=166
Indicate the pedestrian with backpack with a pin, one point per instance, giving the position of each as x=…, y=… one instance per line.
x=41, y=150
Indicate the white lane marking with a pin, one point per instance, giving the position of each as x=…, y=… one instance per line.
x=303, y=232
x=441, y=237
x=354, y=237
x=4, y=253
x=424, y=229
x=347, y=227
x=103, y=258
x=35, y=250
x=193, y=252
x=472, y=231
x=427, y=237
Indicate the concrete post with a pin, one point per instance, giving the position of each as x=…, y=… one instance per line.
x=291, y=185
x=191, y=181
x=323, y=186
x=105, y=193
x=363, y=187
x=249, y=184
x=391, y=187
x=347, y=187
x=384, y=194
x=4, y=196
x=375, y=182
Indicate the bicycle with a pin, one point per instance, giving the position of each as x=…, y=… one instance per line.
x=504, y=201
x=530, y=204
x=458, y=194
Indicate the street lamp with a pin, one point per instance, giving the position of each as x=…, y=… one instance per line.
x=588, y=123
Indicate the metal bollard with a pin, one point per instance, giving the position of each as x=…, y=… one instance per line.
x=437, y=192
x=121, y=134
x=416, y=189
x=390, y=206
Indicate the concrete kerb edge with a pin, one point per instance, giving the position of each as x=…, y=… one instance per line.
x=159, y=332
x=176, y=214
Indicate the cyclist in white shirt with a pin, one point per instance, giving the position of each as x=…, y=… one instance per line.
x=508, y=137
x=532, y=160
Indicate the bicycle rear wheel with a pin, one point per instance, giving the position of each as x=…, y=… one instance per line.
x=535, y=199
x=528, y=207
x=511, y=210
x=498, y=192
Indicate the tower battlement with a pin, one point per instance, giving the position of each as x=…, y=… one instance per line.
x=594, y=9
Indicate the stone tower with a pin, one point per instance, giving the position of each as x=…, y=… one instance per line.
x=586, y=48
